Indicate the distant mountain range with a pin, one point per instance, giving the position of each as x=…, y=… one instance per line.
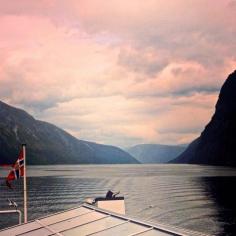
x=48, y=144
x=217, y=143
x=155, y=153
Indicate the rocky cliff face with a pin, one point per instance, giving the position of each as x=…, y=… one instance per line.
x=217, y=143
x=48, y=144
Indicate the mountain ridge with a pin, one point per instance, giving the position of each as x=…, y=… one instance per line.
x=49, y=144
x=155, y=153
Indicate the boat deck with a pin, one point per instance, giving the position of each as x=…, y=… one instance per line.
x=89, y=220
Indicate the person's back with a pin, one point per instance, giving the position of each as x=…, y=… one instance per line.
x=109, y=194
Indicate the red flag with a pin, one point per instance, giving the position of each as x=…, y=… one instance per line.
x=17, y=170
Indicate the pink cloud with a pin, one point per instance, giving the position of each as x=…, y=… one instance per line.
x=115, y=72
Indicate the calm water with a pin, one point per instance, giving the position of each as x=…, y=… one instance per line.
x=195, y=197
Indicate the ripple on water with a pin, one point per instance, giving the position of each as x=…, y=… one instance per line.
x=181, y=195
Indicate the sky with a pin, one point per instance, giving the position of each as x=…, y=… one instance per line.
x=118, y=72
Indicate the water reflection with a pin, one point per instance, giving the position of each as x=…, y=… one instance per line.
x=221, y=191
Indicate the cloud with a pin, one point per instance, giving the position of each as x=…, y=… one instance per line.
x=232, y=4
x=117, y=72
x=146, y=61
x=54, y=68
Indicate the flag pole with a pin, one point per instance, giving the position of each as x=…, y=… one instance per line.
x=25, y=186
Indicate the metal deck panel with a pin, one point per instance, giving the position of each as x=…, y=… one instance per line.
x=89, y=220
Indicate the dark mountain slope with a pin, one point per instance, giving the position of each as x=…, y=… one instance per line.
x=48, y=144
x=217, y=143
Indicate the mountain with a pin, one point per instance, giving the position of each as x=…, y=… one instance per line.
x=155, y=153
x=48, y=144
x=217, y=143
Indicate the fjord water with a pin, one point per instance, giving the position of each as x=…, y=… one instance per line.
x=195, y=197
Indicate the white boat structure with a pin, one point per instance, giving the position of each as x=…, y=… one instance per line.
x=97, y=217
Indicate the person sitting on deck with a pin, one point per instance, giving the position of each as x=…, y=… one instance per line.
x=111, y=195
